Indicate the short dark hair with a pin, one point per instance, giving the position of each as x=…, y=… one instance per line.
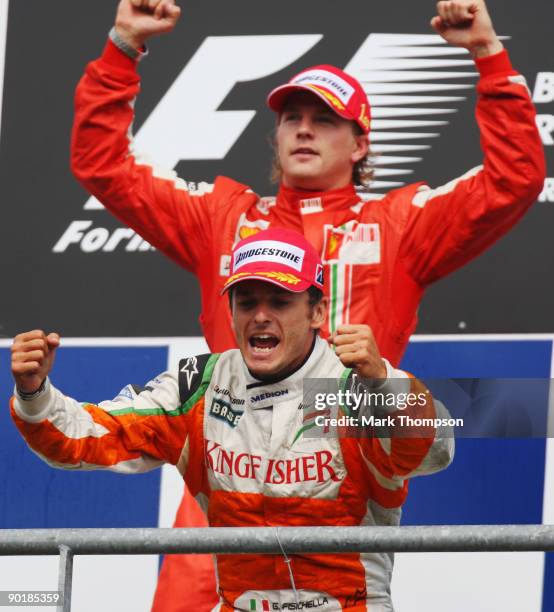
x=315, y=295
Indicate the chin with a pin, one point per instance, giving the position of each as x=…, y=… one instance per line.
x=307, y=183
x=303, y=173
x=263, y=371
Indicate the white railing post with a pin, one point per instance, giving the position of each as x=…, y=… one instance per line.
x=65, y=578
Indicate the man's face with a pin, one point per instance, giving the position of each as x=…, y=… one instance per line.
x=274, y=328
x=317, y=149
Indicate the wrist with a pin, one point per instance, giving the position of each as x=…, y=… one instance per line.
x=380, y=381
x=486, y=49
x=131, y=44
x=36, y=408
x=28, y=396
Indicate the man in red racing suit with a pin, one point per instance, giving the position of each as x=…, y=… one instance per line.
x=379, y=253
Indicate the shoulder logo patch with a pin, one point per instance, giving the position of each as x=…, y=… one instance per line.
x=127, y=392
x=190, y=370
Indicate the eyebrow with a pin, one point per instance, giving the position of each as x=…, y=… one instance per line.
x=320, y=107
x=273, y=290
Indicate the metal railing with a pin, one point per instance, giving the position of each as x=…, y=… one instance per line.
x=268, y=540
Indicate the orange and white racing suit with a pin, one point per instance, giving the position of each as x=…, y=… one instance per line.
x=246, y=455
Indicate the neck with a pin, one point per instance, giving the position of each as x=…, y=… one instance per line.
x=315, y=201
x=311, y=186
x=347, y=189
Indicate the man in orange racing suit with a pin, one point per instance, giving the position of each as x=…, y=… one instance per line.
x=379, y=254
x=251, y=444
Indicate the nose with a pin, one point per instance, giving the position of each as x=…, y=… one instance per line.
x=261, y=315
x=305, y=126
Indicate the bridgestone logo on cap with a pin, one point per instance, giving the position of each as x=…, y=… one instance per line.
x=269, y=250
x=343, y=90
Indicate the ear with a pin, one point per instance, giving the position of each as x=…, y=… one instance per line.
x=319, y=313
x=361, y=147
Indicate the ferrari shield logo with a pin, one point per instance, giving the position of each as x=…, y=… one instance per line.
x=352, y=243
x=247, y=228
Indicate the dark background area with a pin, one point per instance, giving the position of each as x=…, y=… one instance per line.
x=507, y=290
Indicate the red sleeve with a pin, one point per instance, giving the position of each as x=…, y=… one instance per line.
x=152, y=201
x=450, y=225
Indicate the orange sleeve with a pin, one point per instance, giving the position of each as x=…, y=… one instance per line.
x=139, y=430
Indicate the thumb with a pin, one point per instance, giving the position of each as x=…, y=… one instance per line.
x=165, y=10
x=438, y=24
x=53, y=340
x=174, y=11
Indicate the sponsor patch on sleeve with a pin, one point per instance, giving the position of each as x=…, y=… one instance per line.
x=191, y=370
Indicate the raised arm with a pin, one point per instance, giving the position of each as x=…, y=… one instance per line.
x=152, y=200
x=450, y=225
x=467, y=23
x=407, y=449
x=138, y=20
x=135, y=432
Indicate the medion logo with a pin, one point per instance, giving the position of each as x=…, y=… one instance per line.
x=269, y=395
x=403, y=74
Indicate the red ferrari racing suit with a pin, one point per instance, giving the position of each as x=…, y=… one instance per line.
x=247, y=455
x=379, y=254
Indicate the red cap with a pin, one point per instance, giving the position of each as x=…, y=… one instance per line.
x=279, y=256
x=341, y=92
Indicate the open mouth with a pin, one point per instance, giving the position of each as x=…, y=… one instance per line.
x=304, y=151
x=263, y=343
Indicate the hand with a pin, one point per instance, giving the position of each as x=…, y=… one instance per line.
x=356, y=348
x=32, y=359
x=466, y=23
x=138, y=20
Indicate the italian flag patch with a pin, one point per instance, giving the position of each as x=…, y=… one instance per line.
x=254, y=605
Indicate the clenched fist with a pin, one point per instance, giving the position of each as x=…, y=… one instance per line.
x=32, y=359
x=466, y=23
x=138, y=20
x=355, y=346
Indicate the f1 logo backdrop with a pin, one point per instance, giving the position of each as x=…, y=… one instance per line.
x=202, y=113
